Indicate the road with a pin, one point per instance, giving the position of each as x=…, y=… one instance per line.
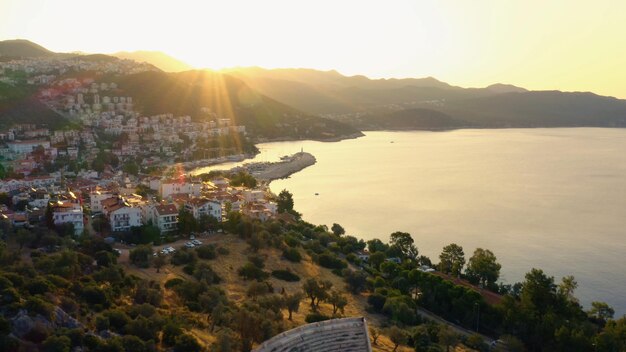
x=125, y=248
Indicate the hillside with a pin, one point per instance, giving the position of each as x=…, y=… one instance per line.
x=22, y=48
x=366, y=103
x=540, y=109
x=161, y=60
x=18, y=104
x=419, y=118
x=187, y=93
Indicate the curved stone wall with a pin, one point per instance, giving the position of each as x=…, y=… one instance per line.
x=340, y=335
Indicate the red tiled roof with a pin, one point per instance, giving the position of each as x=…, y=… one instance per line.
x=166, y=209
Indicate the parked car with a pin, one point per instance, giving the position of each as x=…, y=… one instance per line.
x=196, y=242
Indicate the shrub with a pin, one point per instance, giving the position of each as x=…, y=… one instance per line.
x=173, y=282
x=250, y=271
x=223, y=251
x=292, y=255
x=184, y=256
x=56, y=344
x=285, y=275
x=315, y=317
x=257, y=260
x=189, y=269
x=187, y=343
x=141, y=256
x=206, y=252
x=330, y=261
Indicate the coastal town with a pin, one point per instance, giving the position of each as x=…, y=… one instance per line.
x=112, y=166
x=136, y=215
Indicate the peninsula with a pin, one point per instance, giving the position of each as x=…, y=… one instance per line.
x=288, y=165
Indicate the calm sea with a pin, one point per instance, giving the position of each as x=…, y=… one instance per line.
x=553, y=199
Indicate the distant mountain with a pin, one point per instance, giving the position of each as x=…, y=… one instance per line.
x=186, y=93
x=161, y=60
x=540, y=109
x=505, y=88
x=23, y=48
x=428, y=103
x=329, y=92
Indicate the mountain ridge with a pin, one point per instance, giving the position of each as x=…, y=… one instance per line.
x=361, y=101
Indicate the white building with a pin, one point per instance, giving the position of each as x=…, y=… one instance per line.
x=203, y=206
x=25, y=147
x=165, y=217
x=167, y=188
x=96, y=200
x=68, y=213
x=122, y=217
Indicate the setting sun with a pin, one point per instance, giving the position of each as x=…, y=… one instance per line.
x=535, y=44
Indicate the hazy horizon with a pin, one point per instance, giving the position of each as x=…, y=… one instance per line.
x=531, y=44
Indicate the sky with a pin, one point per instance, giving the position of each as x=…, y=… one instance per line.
x=568, y=45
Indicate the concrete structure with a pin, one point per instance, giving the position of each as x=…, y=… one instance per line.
x=24, y=147
x=165, y=217
x=202, y=206
x=167, y=188
x=96, y=198
x=123, y=217
x=335, y=335
x=66, y=212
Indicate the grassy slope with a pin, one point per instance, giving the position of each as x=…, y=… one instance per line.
x=235, y=286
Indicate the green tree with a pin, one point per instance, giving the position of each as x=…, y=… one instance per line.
x=337, y=300
x=452, y=259
x=375, y=334
x=256, y=289
x=337, y=229
x=538, y=291
x=483, y=267
x=356, y=280
x=141, y=255
x=158, y=262
x=447, y=337
x=316, y=291
x=377, y=245
x=131, y=167
x=567, y=287
x=285, y=202
x=405, y=244
x=397, y=336
x=186, y=222
x=601, y=311
x=292, y=303
x=376, y=259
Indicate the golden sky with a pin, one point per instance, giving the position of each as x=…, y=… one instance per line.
x=538, y=44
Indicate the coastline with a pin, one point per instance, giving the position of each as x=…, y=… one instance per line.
x=290, y=139
x=268, y=172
